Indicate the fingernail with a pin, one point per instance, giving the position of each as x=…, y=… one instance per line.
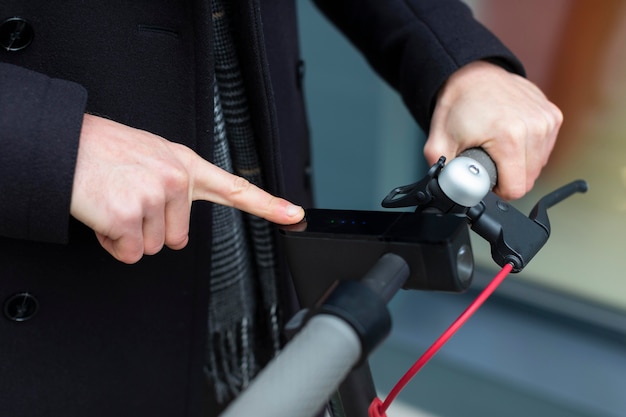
x=293, y=210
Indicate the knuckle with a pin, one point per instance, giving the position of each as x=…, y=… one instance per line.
x=176, y=178
x=150, y=201
x=125, y=214
x=517, y=129
x=271, y=203
x=558, y=115
x=240, y=185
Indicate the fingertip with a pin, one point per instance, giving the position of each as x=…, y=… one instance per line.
x=295, y=212
x=126, y=255
x=178, y=243
x=291, y=214
x=121, y=249
x=432, y=152
x=510, y=193
x=437, y=146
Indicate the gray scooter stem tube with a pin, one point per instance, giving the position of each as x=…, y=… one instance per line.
x=292, y=387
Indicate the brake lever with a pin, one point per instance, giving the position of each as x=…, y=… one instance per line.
x=515, y=238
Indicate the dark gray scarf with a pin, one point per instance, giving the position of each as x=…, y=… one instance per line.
x=243, y=329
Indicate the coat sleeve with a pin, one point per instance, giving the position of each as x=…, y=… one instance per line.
x=40, y=122
x=415, y=45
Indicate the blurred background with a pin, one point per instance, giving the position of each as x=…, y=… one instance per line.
x=552, y=340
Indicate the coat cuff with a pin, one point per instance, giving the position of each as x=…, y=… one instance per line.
x=40, y=123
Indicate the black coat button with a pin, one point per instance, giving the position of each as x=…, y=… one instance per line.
x=21, y=307
x=15, y=34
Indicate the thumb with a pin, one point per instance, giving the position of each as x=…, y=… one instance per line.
x=439, y=144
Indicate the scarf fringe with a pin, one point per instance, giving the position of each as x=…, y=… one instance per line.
x=231, y=362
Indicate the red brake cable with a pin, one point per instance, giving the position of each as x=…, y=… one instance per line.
x=378, y=408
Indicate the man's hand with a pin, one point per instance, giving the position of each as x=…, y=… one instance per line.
x=483, y=105
x=135, y=190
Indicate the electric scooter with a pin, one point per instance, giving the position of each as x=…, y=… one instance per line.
x=348, y=264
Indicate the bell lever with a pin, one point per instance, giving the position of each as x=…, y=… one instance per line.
x=451, y=188
x=416, y=194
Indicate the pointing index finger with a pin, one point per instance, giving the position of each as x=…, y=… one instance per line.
x=212, y=183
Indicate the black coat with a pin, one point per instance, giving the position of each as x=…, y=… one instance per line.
x=81, y=333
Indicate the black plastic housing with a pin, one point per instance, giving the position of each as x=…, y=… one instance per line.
x=335, y=245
